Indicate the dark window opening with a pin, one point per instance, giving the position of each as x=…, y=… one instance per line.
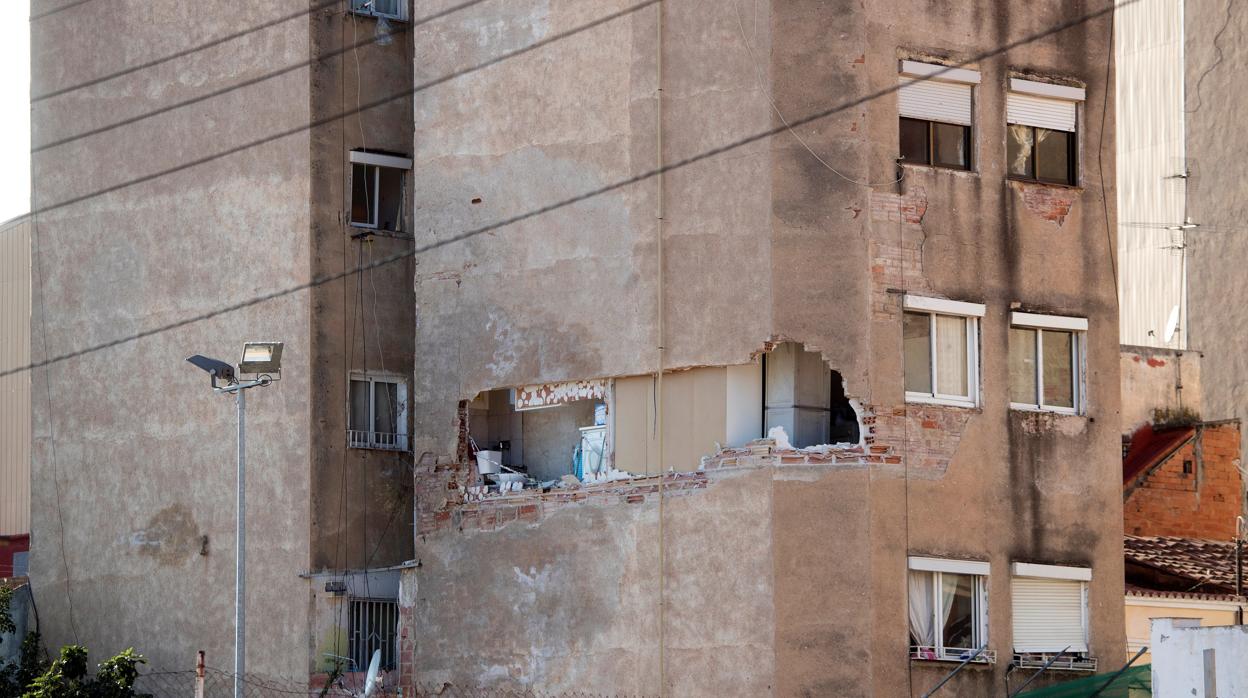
x=801, y=394
x=934, y=143
x=1187, y=467
x=377, y=197
x=844, y=427
x=1041, y=154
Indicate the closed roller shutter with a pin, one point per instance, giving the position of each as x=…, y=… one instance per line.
x=935, y=100
x=1048, y=615
x=1042, y=112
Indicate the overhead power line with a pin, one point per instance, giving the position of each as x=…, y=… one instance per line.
x=564, y=203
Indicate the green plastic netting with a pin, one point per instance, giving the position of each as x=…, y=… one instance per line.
x=1136, y=682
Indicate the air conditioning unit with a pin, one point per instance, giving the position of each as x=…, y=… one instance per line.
x=390, y=9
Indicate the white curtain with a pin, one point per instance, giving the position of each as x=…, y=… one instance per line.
x=922, y=624
x=951, y=378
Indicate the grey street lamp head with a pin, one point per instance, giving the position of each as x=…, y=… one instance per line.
x=216, y=369
x=262, y=357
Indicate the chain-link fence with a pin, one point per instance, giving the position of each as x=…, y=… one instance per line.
x=220, y=684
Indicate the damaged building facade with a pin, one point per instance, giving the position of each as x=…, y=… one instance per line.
x=763, y=347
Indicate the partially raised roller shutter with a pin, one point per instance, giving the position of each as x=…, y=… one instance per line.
x=935, y=100
x=1042, y=112
x=1048, y=615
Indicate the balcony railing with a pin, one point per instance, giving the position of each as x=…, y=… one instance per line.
x=951, y=654
x=376, y=439
x=1067, y=662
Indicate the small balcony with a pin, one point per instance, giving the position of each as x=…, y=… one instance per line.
x=377, y=440
x=1066, y=662
x=951, y=654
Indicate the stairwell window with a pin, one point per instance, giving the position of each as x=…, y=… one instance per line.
x=377, y=412
x=1046, y=362
x=935, y=106
x=1050, y=604
x=940, y=341
x=1042, y=141
x=378, y=190
x=948, y=609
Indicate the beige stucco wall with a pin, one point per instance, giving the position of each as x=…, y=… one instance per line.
x=173, y=213
x=15, y=387
x=1140, y=612
x=760, y=241
x=1158, y=379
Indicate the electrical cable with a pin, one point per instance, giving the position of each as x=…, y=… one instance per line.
x=501, y=223
x=1100, y=165
x=793, y=132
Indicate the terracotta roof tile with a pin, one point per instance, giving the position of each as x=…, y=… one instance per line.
x=1149, y=447
x=1202, y=561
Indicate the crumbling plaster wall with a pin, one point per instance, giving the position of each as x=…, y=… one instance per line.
x=1216, y=253
x=133, y=456
x=765, y=243
x=1158, y=379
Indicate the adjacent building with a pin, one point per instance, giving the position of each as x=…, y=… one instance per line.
x=14, y=397
x=189, y=160
x=763, y=348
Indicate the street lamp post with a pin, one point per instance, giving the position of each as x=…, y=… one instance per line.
x=263, y=361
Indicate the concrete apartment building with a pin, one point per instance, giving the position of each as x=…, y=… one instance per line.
x=190, y=157
x=938, y=339
x=939, y=486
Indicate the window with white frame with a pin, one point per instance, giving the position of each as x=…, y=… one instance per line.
x=948, y=608
x=940, y=341
x=1046, y=362
x=378, y=412
x=378, y=190
x=935, y=109
x=1050, y=604
x=390, y=9
x=1042, y=140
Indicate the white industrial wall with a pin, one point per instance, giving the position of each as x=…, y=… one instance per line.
x=1151, y=197
x=14, y=388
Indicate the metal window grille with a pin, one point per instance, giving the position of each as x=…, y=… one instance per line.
x=374, y=626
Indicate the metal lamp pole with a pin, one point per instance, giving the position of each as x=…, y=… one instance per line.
x=264, y=361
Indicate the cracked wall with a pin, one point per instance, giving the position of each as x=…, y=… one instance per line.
x=761, y=243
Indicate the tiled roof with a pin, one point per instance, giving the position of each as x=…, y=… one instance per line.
x=1202, y=561
x=1149, y=447
x=1141, y=593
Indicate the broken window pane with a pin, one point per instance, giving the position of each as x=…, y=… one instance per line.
x=958, y=600
x=1023, y=366
x=1019, y=151
x=363, y=194
x=951, y=146
x=1053, y=156
x=914, y=140
x=1059, y=376
x=917, y=348
x=358, y=419
x=951, y=358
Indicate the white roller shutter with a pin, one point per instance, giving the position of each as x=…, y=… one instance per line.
x=935, y=100
x=1048, y=615
x=1042, y=112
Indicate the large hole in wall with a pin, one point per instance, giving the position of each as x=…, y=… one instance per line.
x=543, y=444
x=607, y=429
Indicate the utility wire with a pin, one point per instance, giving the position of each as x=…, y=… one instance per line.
x=502, y=223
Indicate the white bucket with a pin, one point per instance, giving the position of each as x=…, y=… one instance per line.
x=489, y=461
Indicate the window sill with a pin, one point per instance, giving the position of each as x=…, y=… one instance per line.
x=362, y=231
x=1041, y=183
x=1023, y=407
x=928, y=655
x=938, y=168
x=942, y=401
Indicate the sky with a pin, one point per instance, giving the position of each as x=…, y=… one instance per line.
x=15, y=114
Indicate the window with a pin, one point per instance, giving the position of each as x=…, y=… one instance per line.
x=941, y=348
x=1042, y=141
x=1050, y=610
x=948, y=608
x=373, y=626
x=935, y=107
x=378, y=190
x=378, y=413
x=390, y=9
x=1046, y=362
